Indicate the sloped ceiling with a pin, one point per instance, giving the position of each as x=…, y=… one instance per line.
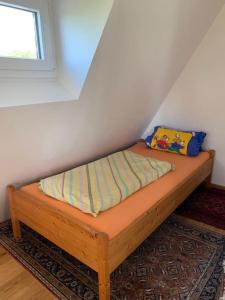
x=196, y=101
x=143, y=50
x=144, y=47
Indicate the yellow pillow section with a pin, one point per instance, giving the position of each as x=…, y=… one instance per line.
x=171, y=140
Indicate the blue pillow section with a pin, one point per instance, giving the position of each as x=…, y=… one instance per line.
x=194, y=146
x=149, y=138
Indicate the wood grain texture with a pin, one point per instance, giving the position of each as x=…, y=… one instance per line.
x=89, y=246
x=16, y=283
x=103, y=267
x=129, y=239
x=77, y=239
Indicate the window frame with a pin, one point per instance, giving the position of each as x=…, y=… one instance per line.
x=46, y=62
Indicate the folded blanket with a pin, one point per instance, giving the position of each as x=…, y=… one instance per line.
x=104, y=183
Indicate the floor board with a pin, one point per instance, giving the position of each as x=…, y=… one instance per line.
x=16, y=283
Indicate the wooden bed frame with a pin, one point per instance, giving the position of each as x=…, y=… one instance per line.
x=91, y=247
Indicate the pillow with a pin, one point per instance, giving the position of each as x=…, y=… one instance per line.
x=172, y=140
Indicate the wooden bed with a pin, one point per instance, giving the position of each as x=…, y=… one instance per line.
x=94, y=247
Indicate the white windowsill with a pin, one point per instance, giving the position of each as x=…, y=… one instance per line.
x=33, y=91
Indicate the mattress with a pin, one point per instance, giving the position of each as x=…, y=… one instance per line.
x=116, y=219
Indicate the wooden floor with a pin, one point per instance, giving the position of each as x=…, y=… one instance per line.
x=16, y=283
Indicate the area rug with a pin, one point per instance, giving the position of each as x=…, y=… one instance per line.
x=180, y=260
x=205, y=205
x=223, y=297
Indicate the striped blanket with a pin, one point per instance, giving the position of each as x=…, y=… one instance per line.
x=104, y=183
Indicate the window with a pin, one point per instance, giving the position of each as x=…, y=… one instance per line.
x=19, y=33
x=28, y=72
x=26, y=39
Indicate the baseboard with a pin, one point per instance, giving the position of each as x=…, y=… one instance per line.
x=140, y=141
x=4, y=222
x=216, y=186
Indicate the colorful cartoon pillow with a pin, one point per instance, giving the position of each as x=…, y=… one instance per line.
x=176, y=141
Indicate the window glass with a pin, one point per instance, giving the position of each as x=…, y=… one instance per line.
x=19, y=33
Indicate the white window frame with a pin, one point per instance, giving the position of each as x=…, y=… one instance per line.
x=47, y=62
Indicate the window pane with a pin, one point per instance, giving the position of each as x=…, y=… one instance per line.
x=18, y=33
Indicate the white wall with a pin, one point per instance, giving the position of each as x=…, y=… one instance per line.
x=197, y=100
x=144, y=47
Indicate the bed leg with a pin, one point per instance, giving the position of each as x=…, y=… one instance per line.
x=15, y=222
x=104, y=286
x=208, y=181
x=103, y=267
x=16, y=229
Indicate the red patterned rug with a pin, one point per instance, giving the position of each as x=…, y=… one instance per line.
x=180, y=260
x=205, y=205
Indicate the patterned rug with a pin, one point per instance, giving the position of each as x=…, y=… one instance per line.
x=180, y=260
x=223, y=297
x=205, y=205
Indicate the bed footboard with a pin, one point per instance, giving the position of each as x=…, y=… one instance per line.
x=78, y=239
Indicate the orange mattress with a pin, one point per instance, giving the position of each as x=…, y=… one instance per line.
x=114, y=220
